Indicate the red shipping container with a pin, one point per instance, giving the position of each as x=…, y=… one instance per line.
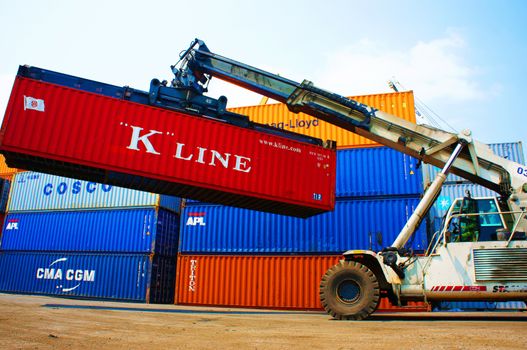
x=70, y=132
x=274, y=282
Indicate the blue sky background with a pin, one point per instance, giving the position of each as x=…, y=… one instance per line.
x=464, y=59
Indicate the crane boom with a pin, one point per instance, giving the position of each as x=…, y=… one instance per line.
x=473, y=160
x=431, y=145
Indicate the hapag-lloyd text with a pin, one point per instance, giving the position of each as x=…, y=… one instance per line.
x=296, y=124
x=199, y=155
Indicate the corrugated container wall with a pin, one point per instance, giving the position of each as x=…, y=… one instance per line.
x=479, y=306
x=4, y=194
x=511, y=305
x=510, y=150
x=400, y=104
x=277, y=282
x=130, y=277
x=145, y=231
x=354, y=224
x=104, y=139
x=33, y=191
x=464, y=306
x=377, y=171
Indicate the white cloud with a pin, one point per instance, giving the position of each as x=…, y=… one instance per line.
x=6, y=85
x=434, y=69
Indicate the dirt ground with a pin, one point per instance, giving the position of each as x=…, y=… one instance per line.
x=36, y=322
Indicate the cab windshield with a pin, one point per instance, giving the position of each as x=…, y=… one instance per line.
x=474, y=220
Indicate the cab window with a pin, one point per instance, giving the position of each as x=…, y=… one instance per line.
x=472, y=228
x=486, y=207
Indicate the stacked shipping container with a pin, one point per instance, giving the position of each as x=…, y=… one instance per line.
x=266, y=260
x=6, y=175
x=82, y=239
x=4, y=188
x=363, y=223
x=277, y=282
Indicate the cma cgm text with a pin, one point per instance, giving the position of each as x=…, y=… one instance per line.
x=70, y=274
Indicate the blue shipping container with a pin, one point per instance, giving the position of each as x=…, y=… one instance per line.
x=131, y=277
x=354, y=224
x=377, y=171
x=511, y=151
x=4, y=194
x=147, y=230
x=478, y=306
x=32, y=191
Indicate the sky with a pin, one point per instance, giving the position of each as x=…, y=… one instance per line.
x=464, y=60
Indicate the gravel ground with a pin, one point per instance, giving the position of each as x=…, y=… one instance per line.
x=37, y=322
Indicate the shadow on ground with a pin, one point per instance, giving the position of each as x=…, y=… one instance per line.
x=416, y=317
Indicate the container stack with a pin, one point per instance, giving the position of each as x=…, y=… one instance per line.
x=75, y=238
x=456, y=187
x=4, y=195
x=238, y=257
x=6, y=176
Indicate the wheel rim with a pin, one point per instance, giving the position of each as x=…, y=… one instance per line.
x=348, y=292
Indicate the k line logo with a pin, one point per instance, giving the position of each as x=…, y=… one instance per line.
x=196, y=219
x=198, y=154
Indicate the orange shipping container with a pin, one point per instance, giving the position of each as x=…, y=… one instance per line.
x=274, y=282
x=400, y=104
x=5, y=171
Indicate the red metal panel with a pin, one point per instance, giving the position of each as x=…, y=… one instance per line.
x=184, y=155
x=276, y=282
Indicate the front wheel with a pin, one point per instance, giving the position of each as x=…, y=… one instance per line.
x=349, y=291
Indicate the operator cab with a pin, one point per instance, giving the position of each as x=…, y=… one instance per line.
x=478, y=220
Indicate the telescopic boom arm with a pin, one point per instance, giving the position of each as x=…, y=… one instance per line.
x=473, y=161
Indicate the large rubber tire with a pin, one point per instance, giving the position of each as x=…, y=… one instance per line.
x=349, y=291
